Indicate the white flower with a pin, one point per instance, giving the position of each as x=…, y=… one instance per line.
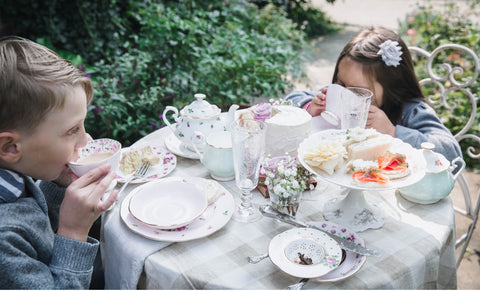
x=390, y=52
x=285, y=176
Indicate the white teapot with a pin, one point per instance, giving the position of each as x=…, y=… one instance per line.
x=439, y=179
x=198, y=116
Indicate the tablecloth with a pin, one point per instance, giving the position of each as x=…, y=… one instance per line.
x=416, y=242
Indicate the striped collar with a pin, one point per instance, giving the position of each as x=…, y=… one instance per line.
x=11, y=185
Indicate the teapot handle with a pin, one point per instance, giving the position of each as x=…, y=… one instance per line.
x=455, y=166
x=175, y=117
x=198, y=138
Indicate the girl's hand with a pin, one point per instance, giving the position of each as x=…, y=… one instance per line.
x=318, y=103
x=81, y=205
x=378, y=120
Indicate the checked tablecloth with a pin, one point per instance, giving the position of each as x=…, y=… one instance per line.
x=416, y=242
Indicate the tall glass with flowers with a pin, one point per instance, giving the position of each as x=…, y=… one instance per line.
x=286, y=179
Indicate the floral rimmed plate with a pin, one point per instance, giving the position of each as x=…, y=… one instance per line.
x=167, y=164
x=353, y=262
x=167, y=204
x=305, y=252
x=215, y=217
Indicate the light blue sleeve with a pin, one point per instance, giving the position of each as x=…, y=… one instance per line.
x=421, y=124
x=300, y=98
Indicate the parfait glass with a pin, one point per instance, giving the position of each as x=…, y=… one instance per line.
x=248, y=147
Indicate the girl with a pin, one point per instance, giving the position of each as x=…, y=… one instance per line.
x=377, y=59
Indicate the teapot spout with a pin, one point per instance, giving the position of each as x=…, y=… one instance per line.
x=231, y=114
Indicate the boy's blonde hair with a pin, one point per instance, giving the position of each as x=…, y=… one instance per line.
x=34, y=80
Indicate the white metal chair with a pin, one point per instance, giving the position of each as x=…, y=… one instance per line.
x=443, y=77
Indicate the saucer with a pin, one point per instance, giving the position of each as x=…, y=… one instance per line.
x=353, y=262
x=305, y=252
x=177, y=147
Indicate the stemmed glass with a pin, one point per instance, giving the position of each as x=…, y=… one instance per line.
x=248, y=146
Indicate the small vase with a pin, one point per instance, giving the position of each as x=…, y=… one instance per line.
x=287, y=205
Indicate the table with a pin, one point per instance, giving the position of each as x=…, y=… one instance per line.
x=416, y=242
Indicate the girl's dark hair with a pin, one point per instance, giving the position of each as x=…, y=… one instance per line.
x=399, y=83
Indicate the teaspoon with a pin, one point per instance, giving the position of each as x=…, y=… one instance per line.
x=256, y=259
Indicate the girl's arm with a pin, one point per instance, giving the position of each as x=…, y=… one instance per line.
x=421, y=124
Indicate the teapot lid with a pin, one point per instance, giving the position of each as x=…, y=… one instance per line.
x=436, y=162
x=200, y=109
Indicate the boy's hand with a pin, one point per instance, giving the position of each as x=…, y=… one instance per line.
x=82, y=205
x=65, y=178
x=378, y=120
x=318, y=103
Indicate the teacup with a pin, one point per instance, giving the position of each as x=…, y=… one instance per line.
x=217, y=154
x=96, y=153
x=333, y=109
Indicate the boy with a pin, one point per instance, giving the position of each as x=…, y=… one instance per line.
x=44, y=226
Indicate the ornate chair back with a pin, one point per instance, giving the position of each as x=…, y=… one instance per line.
x=450, y=71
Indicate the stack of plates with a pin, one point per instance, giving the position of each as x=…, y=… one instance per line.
x=168, y=205
x=177, y=208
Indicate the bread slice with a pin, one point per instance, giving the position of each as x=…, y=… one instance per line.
x=396, y=174
x=370, y=149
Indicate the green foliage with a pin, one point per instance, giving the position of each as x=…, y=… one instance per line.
x=143, y=55
x=312, y=21
x=231, y=52
x=429, y=27
x=93, y=29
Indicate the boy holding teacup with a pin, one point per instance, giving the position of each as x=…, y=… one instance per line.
x=45, y=211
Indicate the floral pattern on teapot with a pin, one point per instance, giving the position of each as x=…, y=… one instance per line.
x=198, y=116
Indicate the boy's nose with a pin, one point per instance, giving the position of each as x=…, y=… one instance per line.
x=84, y=140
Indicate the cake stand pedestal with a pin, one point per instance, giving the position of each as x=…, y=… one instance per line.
x=354, y=211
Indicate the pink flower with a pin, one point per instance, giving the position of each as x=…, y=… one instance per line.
x=330, y=261
x=411, y=31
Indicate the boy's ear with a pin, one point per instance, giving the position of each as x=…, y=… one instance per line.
x=9, y=149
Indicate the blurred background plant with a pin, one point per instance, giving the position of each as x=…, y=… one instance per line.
x=143, y=55
x=429, y=26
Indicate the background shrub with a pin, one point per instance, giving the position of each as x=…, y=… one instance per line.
x=143, y=55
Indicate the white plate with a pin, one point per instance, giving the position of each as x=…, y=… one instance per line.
x=214, y=218
x=285, y=248
x=353, y=261
x=167, y=204
x=177, y=147
x=167, y=164
x=416, y=162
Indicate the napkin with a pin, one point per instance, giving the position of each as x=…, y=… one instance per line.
x=123, y=271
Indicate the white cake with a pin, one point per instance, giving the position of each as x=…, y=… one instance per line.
x=286, y=128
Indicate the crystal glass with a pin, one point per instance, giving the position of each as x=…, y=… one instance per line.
x=248, y=146
x=356, y=104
